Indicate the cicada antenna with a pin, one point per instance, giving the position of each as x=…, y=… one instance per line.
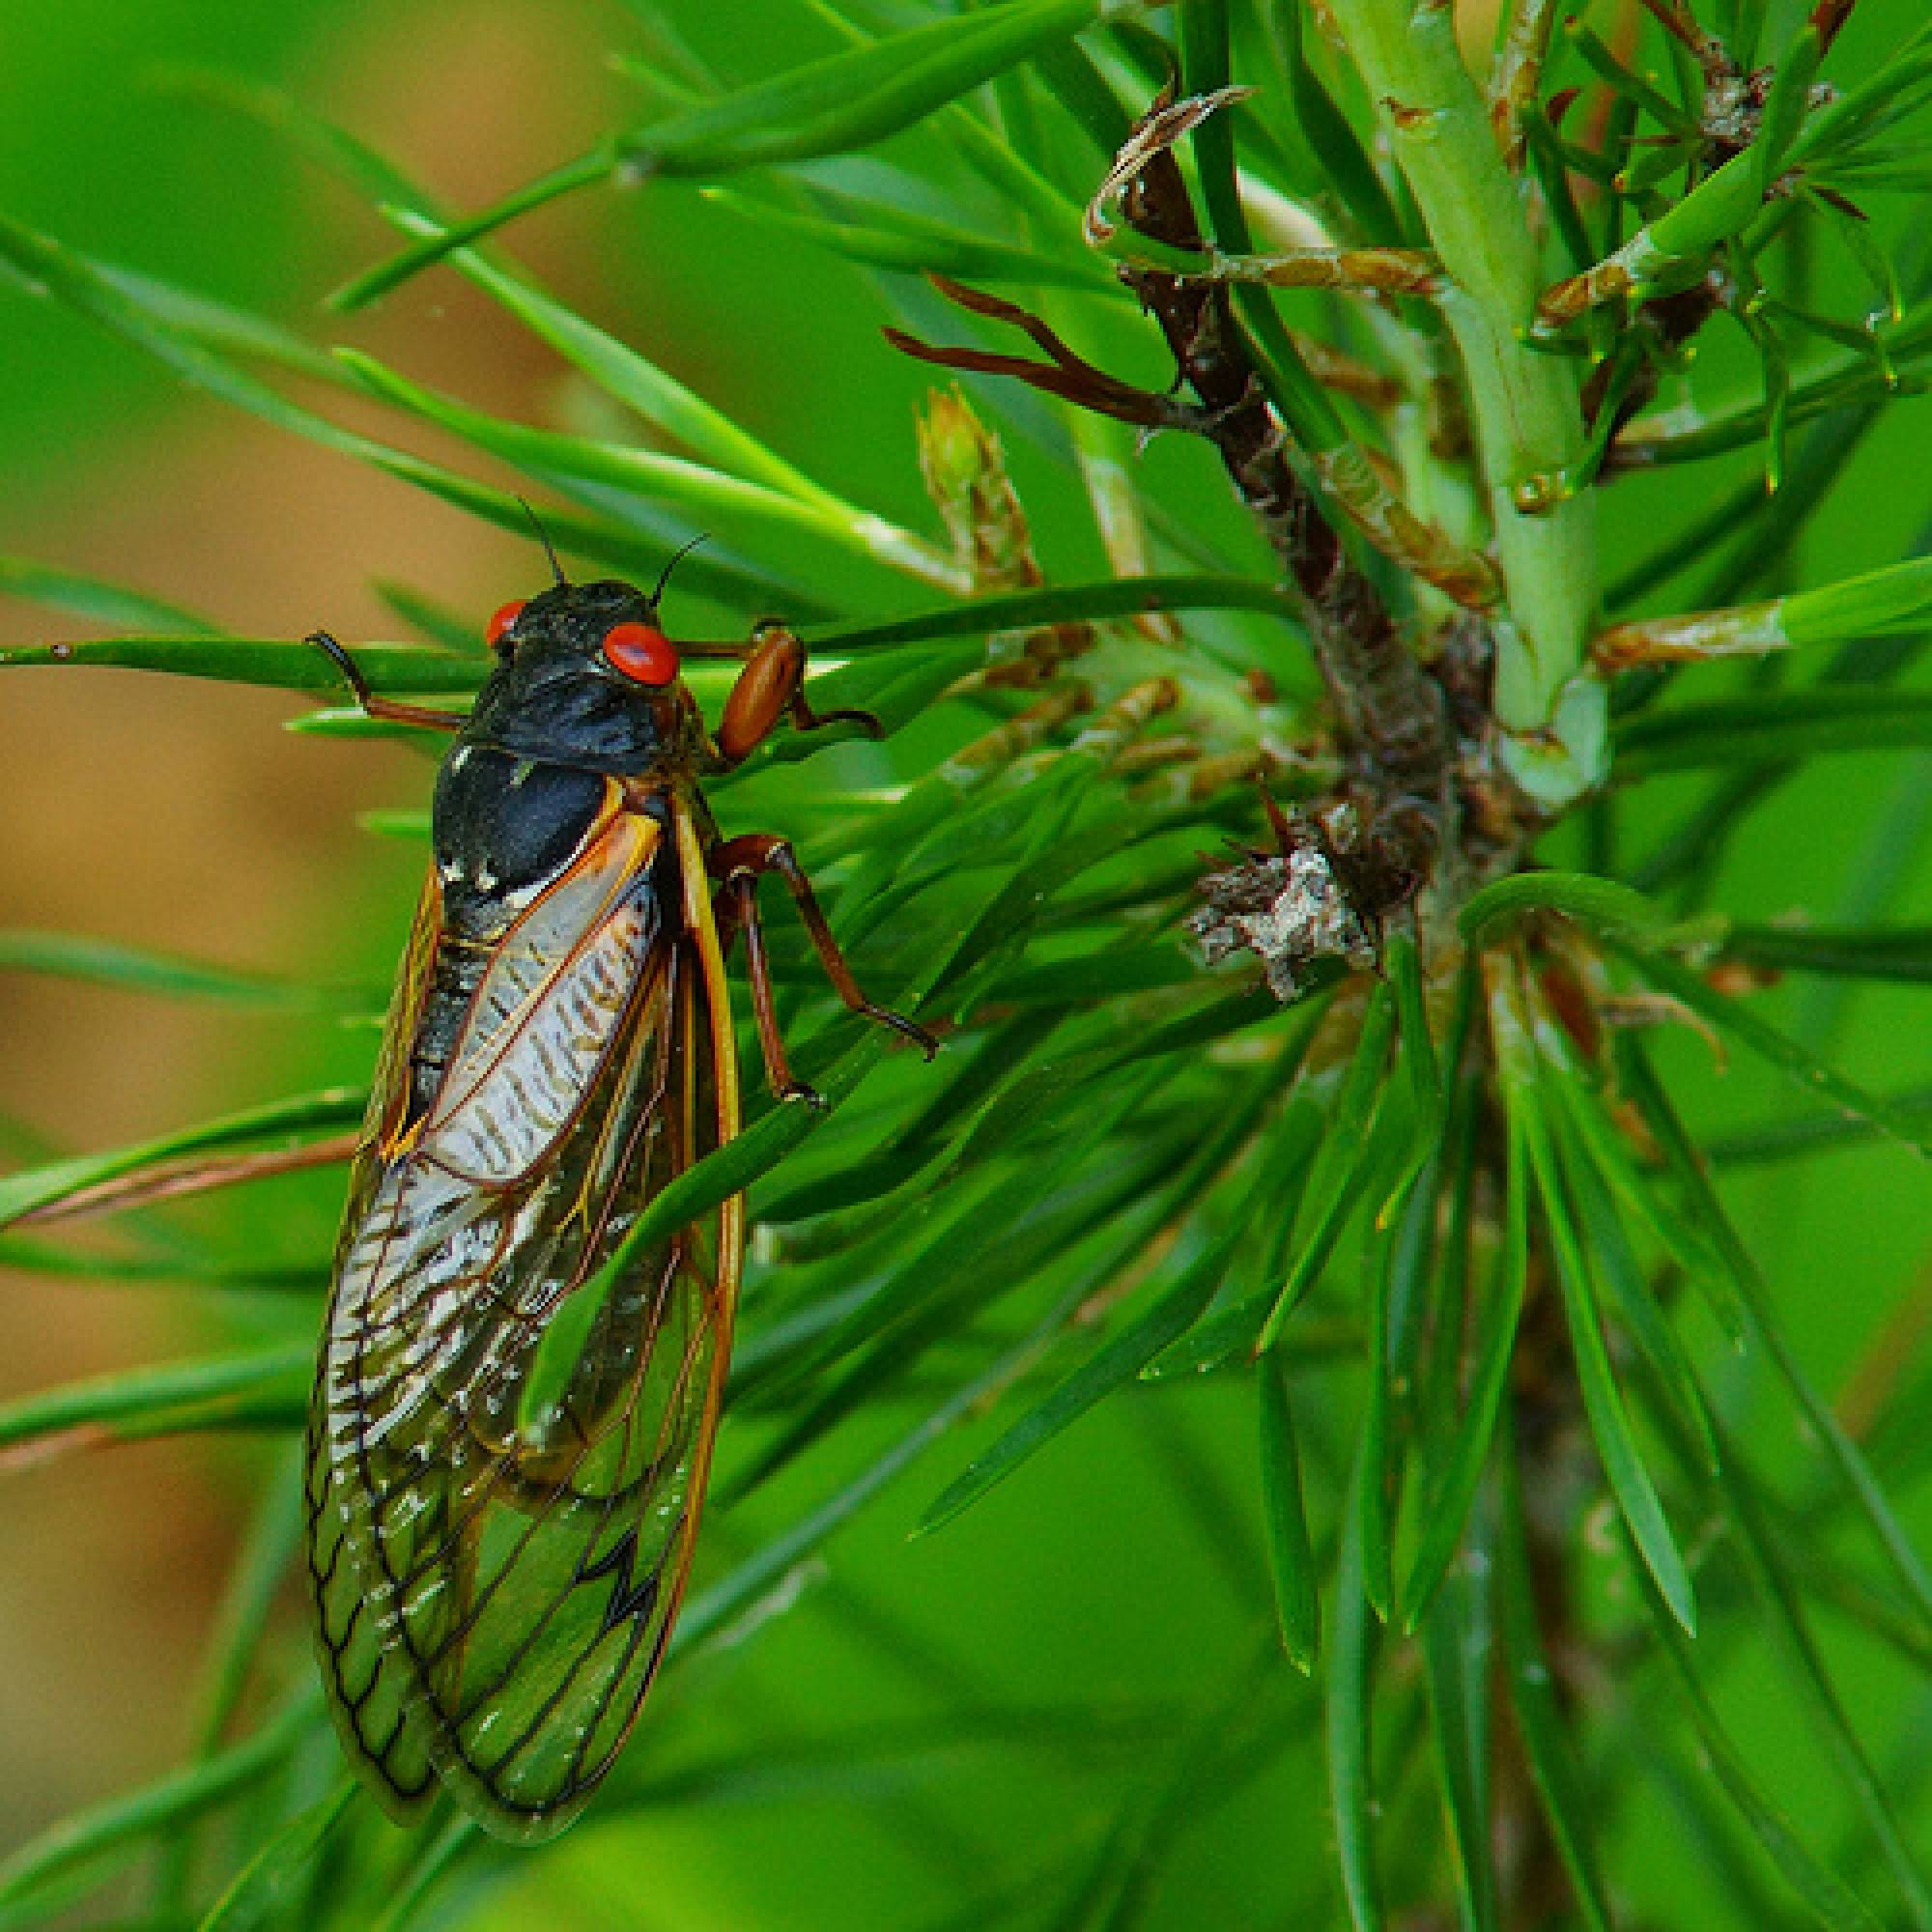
x=549, y=549
x=677, y=557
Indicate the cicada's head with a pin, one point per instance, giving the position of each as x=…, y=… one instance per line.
x=586, y=675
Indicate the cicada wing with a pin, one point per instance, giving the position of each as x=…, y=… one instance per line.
x=518, y=1577
x=368, y=1685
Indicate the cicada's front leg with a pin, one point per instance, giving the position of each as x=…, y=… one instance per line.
x=770, y=687
x=387, y=709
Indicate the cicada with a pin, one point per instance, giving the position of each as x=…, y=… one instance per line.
x=494, y=1579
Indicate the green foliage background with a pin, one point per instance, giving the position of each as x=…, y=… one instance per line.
x=1069, y=1705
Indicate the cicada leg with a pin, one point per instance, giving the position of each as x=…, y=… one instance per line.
x=770, y=687
x=739, y=864
x=387, y=709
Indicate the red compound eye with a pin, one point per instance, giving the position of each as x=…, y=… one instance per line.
x=642, y=652
x=499, y=624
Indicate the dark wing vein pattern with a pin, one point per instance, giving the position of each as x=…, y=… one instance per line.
x=494, y=1591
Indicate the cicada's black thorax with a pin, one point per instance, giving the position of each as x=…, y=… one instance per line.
x=526, y=775
x=529, y=775
x=555, y=697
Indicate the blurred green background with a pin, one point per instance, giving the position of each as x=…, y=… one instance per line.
x=1116, y=1590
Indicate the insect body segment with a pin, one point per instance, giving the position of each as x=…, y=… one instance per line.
x=494, y=1578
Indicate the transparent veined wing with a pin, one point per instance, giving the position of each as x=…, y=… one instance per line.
x=494, y=1591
